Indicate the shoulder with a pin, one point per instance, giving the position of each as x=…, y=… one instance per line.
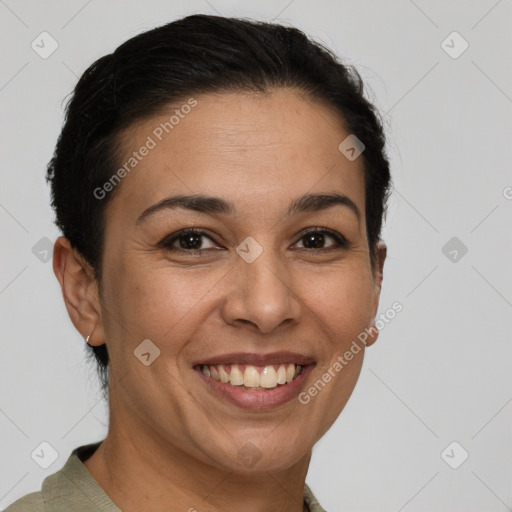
x=69, y=489
x=311, y=501
x=32, y=502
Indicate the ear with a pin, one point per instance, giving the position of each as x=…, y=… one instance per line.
x=79, y=290
x=378, y=274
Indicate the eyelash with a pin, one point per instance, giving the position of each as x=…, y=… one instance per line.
x=167, y=242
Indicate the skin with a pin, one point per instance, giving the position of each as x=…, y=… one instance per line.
x=172, y=444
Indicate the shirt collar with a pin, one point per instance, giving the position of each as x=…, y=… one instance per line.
x=74, y=484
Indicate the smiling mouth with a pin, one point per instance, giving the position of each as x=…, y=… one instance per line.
x=253, y=378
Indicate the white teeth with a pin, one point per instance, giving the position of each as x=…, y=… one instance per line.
x=235, y=377
x=290, y=372
x=253, y=377
x=268, y=377
x=281, y=374
x=223, y=374
x=214, y=373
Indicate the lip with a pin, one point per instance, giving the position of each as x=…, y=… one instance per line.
x=258, y=359
x=256, y=400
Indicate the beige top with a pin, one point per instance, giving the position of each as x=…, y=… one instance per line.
x=73, y=489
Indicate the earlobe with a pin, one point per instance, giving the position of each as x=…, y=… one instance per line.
x=79, y=290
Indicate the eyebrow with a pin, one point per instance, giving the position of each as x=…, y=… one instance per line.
x=216, y=205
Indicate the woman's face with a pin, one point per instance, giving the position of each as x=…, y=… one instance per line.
x=252, y=289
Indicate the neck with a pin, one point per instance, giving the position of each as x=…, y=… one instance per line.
x=141, y=471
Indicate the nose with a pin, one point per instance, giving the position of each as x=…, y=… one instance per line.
x=261, y=294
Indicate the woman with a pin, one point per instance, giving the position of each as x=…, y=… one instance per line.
x=220, y=185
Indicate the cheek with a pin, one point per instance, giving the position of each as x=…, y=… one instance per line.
x=159, y=302
x=342, y=301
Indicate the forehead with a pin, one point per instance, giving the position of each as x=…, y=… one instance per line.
x=250, y=147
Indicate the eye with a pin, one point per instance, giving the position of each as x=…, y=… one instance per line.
x=316, y=238
x=188, y=240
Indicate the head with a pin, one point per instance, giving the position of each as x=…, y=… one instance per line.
x=240, y=123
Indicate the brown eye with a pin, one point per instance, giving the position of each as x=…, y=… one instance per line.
x=191, y=241
x=317, y=238
x=188, y=240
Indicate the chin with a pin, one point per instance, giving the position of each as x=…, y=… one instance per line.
x=253, y=454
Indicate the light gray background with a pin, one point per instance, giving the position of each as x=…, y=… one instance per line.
x=440, y=372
